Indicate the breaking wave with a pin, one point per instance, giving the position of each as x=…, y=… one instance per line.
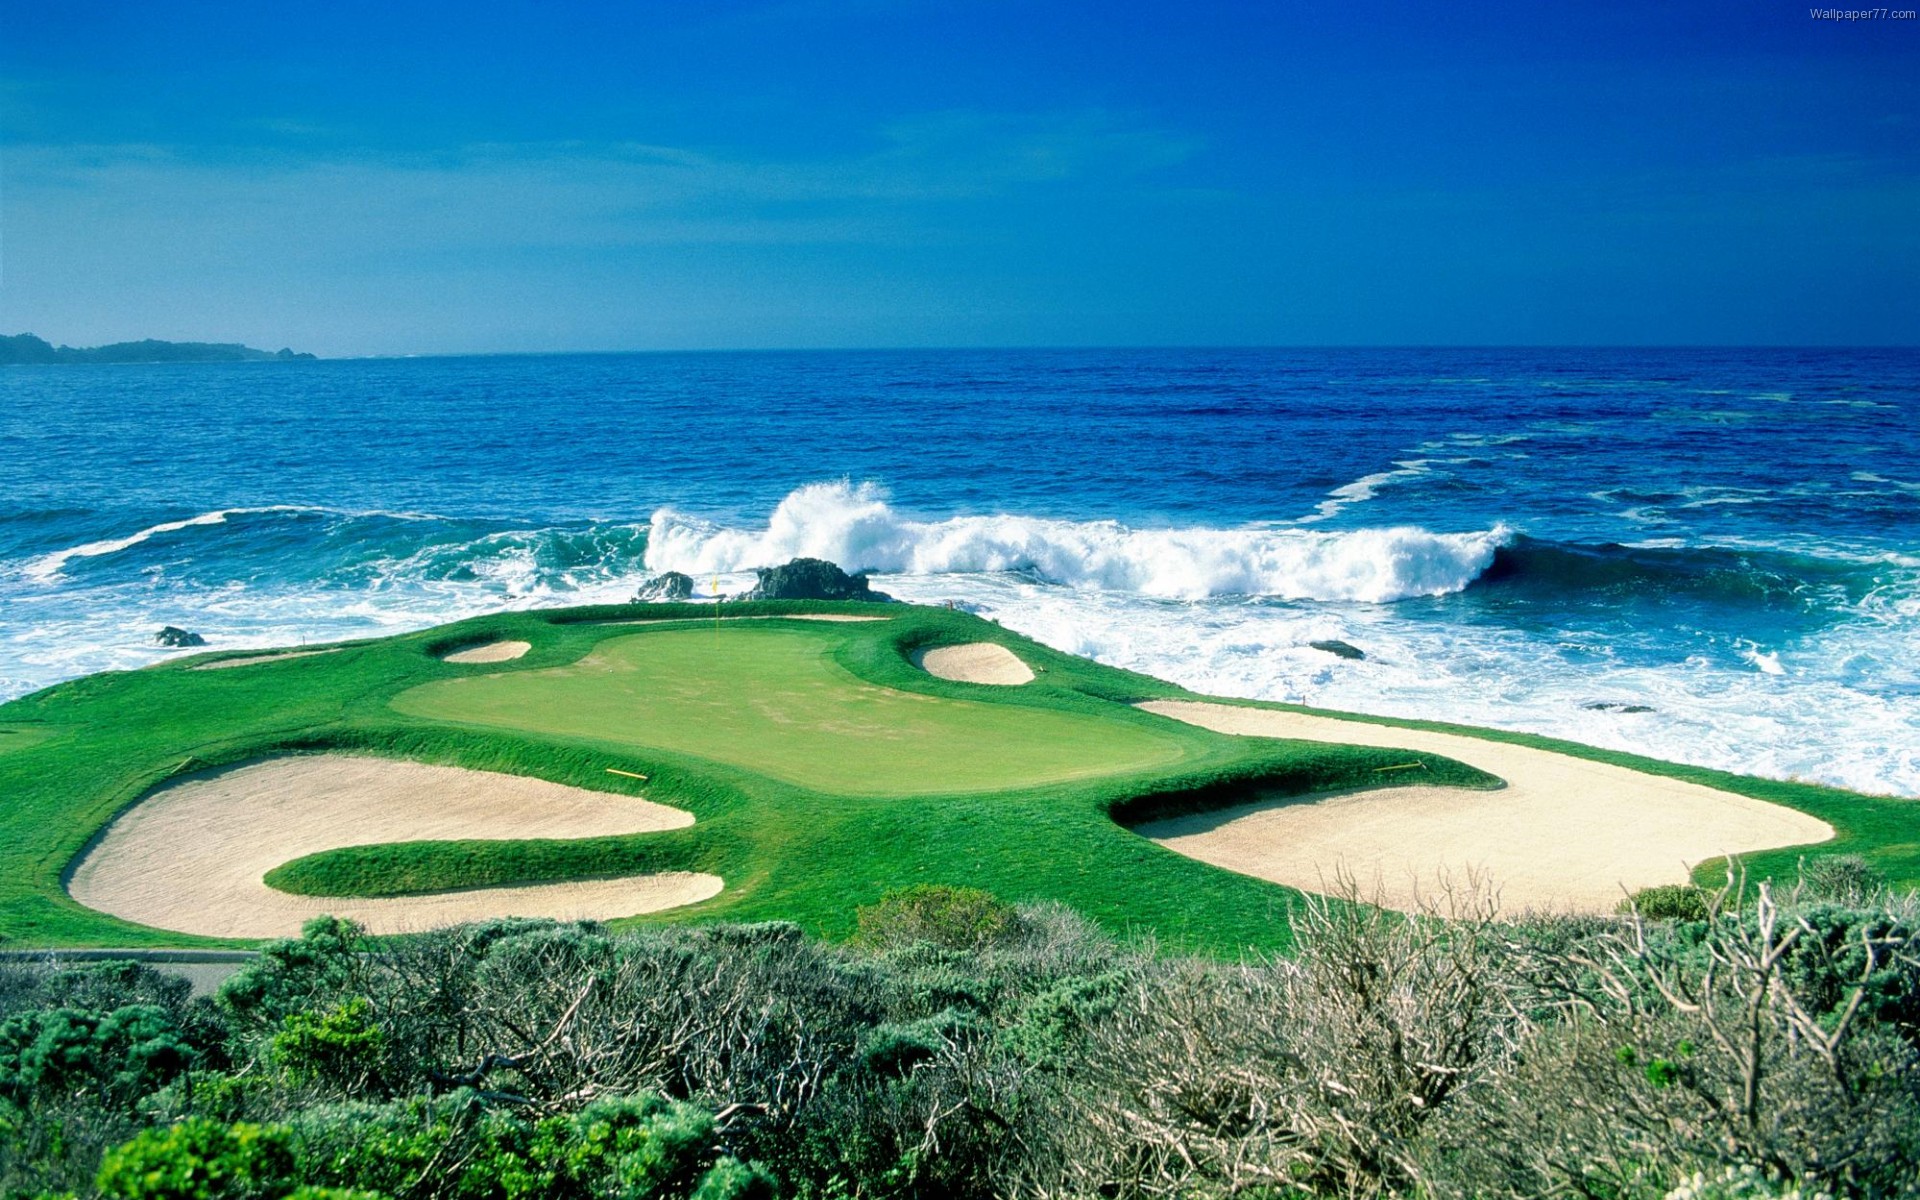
x=855, y=527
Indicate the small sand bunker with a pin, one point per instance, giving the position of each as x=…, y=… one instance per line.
x=1564, y=834
x=492, y=652
x=975, y=662
x=191, y=856
x=255, y=659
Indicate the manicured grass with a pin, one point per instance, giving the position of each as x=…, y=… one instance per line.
x=771, y=697
x=822, y=767
x=19, y=737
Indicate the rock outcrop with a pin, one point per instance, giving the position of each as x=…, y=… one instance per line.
x=811, y=579
x=663, y=588
x=1339, y=649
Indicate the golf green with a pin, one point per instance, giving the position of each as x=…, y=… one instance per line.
x=822, y=768
x=771, y=697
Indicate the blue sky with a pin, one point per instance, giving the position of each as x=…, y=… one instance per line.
x=404, y=178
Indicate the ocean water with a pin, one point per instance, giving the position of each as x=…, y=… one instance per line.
x=1711, y=556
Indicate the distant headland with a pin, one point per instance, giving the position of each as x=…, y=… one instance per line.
x=26, y=348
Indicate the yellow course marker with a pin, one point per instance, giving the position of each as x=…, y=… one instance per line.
x=628, y=774
x=1413, y=766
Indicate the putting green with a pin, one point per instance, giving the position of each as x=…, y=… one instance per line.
x=772, y=699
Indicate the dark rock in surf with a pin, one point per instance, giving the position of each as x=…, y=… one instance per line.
x=1339, y=649
x=1611, y=706
x=811, y=579
x=663, y=588
x=173, y=635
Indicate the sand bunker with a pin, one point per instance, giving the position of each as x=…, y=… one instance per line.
x=975, y=662
x=492, y=652
x=252, y=659
x=1565, y=833
x=191, y=856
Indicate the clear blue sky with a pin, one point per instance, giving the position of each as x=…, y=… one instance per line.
x=403, y=178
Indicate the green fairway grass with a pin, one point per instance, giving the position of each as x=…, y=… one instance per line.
x=19, y=737
x=822, y=767
x=772, y=698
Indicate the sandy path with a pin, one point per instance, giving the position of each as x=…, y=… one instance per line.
x=191, y=856
x=975, y=662
x=491, y=652
x=1565, y=833
x=250, y=660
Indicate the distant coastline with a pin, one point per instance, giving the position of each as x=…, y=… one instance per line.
x=27, y=348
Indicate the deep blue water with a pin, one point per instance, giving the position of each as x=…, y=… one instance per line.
x=1729, y=537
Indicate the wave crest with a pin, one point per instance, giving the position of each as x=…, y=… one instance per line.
x=856, y=528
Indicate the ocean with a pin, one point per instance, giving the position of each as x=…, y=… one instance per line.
x=1705, y=555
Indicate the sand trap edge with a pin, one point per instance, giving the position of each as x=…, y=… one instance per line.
x=489, y=652
x=974, y=662
x=1565, y=834
x=159, y=863
x=221, y=664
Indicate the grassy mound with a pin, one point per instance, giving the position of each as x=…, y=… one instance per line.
x=823, y=768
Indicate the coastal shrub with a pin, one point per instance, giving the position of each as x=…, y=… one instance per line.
x=107, y=1059
x=1669, y=902
x=1680, y=1055
x=199, y=1159
x=1847, y=958
x=1842, y=879
x=340, y=1049
x=1746, y=1182
x=93, y=986
x=958, y=918
x=1313, y=1076
x=310, y=972
x=630, y=1146
x=1442, y=1056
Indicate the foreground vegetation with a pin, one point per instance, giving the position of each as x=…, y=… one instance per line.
x=960, y=1047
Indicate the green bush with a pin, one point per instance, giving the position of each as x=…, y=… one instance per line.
x=958, y=918
x=200, y=1159
x=1742, y=1183
x=112, y=1059
x=634, y=1147
x=1828, y=963
x=1842, y=879
x=1668, y=902
x=340, y=1048
x=295, y=975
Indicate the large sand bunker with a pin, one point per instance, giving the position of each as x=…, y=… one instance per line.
x=490, y=652
x=975, y=662
x=1565, y=833
x=191, y=857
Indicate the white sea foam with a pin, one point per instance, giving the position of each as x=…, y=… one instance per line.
x=1228, y=611
x=1365, y=488
x=1766, y=662
x=855, y=527
x=49, y=567
x=1712, y=710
